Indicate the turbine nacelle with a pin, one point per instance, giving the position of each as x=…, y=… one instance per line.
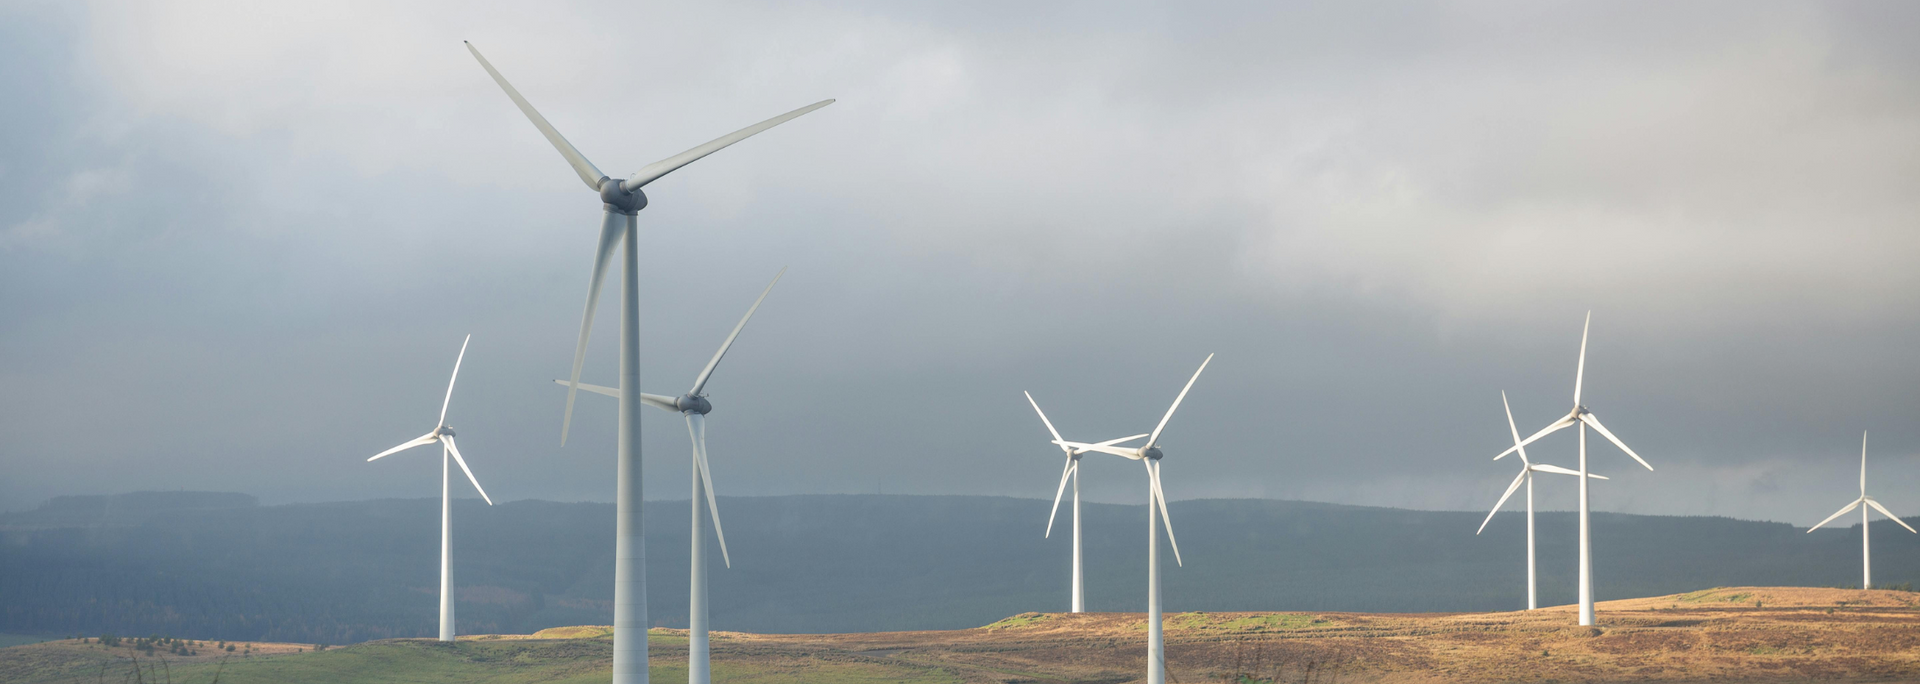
x=693, y=403
x=1151, y=453
x=619, y=199
x=443, y=431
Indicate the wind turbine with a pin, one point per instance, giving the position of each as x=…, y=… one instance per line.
x=1149, y=455
x=1072, y=471
x=623, y=200
x=1866, y=551
x=694, y=407
x=443, y=434
x=1527, y=469
x=1584, y=418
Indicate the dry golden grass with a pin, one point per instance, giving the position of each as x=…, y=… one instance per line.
x=1747, y=634
x=1726, y=634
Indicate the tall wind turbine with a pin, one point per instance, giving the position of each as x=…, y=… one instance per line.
x=1149, y=455
x=694, y=407
x=1072, y=471
x=1866, y=551
x=1527, y=469
x=623, y=200
x=443, y=434
x=1584, y=418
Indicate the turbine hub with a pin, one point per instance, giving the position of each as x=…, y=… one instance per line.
x=693, y=403
x=1152, y=453
x=622, y=201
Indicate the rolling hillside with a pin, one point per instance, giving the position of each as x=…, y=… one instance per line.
x=220, y=567
x=1741, y=634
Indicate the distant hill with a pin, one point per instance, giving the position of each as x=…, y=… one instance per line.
x=219, y=566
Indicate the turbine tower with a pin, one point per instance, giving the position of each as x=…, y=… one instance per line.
x=1584, y=418
x=1149, y=455
x=443, y=434
x=1527, y=469
x=1866, y=551
x=1072, y=471
x=622, y=201
x=694, y=407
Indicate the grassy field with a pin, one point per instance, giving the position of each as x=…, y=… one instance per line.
x=1728, y=634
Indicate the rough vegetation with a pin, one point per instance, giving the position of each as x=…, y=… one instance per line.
x=1724, y=634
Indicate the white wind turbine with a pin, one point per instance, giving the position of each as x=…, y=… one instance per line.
x=1072, y=471
x=1584, y=418
x=1866, y=551
x=1527, y=469
x=694, y=407
x=1149, y=455
x=623, y=200
x=443, y=434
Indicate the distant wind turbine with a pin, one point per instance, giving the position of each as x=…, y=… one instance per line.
x=443, y=434
x=1149, y=456
x=623, y=200
x=1866, y=550
x=694, y=406
x=1582, y=417
x=1527, y=469
x=1072, y=471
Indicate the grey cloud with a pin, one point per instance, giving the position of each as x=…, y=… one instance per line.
x=1378, y=219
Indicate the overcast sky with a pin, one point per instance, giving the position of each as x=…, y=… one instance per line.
x=240, y=244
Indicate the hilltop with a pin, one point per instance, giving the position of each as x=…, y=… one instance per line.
x=223, y=567
x=1724, y=634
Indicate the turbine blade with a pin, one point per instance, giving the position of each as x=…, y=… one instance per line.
x=1557, y=470
x=425, y=439
x=596, y=389
x=1557, y=426
x=1512, y=429
x=1065, y=473
x=612, y=229
x=1517, y=479
x=1580, y=371
x=588, y=173
x=697, y=428
x=1863, y=463
x=651, y=172
x=659, y=401
x=700, y=383
x=1154, y=438
x=1841, y=512
x=456, y=376
x=1043, y=417
x=1160, y=498
x=1126, y=452
x=1595, y=422
x=463, y=468
x=1883, y=511
x=1118, y=440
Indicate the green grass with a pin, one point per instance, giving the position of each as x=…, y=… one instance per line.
x=1245, y=623
x=1018, y=621
x=1714, y=595
x=479, y=661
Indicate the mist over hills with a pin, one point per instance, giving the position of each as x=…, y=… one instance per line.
x=220, y=566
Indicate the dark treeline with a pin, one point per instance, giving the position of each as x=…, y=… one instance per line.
x=219, y=566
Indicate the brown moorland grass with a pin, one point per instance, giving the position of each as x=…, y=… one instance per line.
x=1725, y=634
